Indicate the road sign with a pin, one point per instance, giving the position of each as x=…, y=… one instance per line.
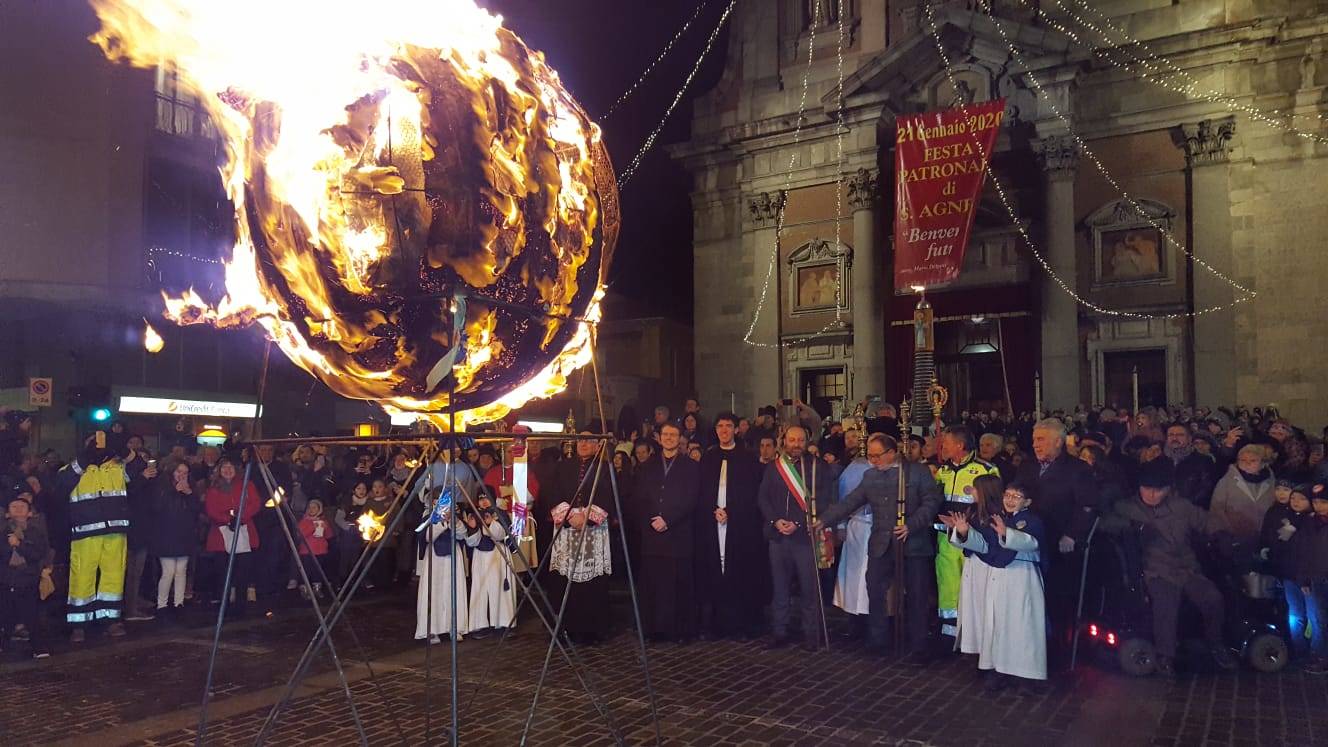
x=39, y=392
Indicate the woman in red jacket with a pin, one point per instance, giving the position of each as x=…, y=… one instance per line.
x=221, y=503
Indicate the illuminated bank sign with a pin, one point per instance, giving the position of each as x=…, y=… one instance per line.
x=163, y=406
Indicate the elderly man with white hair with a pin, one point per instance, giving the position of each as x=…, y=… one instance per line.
x=1065, y=498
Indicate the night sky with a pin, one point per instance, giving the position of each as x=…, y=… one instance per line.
x=600, y=48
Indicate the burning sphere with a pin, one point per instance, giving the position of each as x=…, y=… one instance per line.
x=417, y=197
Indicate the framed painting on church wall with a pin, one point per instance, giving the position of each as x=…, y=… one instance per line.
x=816, y=287
x=1130, y=255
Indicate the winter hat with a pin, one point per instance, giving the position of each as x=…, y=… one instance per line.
x=1156, y=474
x=1287, y=484
x=1316, y=492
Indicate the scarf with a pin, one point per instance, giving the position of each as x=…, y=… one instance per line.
x=1256, y=478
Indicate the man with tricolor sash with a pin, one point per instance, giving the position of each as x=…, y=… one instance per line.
x=960, y=466
x=793, y=490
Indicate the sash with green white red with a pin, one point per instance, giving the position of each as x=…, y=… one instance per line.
x=793, y=481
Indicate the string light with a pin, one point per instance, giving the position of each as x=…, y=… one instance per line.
x=1192, y=89
x=157, y=250
x=630, y=171
x=1023, y=231
x=788, y=177
x=650, y=68
x=1102, y=169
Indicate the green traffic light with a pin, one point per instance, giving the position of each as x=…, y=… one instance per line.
x=101, y=414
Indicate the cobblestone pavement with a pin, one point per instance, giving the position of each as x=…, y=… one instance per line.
x=145, y=690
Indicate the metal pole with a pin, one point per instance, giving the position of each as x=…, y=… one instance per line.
x=318, y=612
x=340, y=604
x=256, y=425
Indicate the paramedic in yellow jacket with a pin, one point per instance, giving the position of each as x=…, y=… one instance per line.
x=98, y=525
x=960, y=466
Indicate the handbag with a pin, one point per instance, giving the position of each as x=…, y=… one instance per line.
x=228, y=536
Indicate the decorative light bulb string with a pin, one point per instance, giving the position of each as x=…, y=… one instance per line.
x=1193, y=88
x=1097, y=162
x=1028, y=239
x=651, y=67
x=788, y=178
x=630, y=171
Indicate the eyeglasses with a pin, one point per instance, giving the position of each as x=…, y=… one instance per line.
x=876, y=455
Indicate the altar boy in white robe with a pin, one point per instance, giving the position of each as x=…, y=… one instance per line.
x=492, y=586
x=437, y=545
x=1009, y=623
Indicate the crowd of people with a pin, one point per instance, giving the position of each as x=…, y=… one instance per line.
x=730, y=525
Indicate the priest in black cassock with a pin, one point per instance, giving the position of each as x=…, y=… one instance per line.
x=665, y=498
x=581, y=555
x=731, y=562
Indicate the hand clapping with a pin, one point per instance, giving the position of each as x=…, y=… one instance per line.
x=998, y=522
x=658, y=524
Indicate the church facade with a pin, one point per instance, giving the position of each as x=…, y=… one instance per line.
x=1154, y=204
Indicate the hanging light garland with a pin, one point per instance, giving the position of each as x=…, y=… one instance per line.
x=651, y=67
x=1028, y=239
x=788, y=179
x=630, y=171
x=1102, y=169
x=157, y=251
x=1157, y=76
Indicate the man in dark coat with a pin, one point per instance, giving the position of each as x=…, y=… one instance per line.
x=1195, y=475
x=665, y=499
x=788, y=530
x=1067, y=503
x=922, y=498
x=730, y=545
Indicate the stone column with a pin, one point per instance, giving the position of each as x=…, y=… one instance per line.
x=864, y=191
x=759, y=242
x=1208, y=145
x=1061, y=355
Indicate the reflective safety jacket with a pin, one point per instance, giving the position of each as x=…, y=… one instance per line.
x=98, y=499
x=956, y=481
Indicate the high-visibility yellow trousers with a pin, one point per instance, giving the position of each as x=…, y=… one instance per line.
x=96, y=578
x=949, y=577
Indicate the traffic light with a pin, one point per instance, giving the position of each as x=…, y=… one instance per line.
x=91, y=404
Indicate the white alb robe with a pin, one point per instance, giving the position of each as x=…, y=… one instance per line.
x=851, y=585
x=1002, y=611
x=436, y=573
x=492, y=586
x=851, y=580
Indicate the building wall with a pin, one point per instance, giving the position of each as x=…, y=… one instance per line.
x=1253, y=198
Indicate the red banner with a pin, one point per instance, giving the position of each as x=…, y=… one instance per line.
x=941, y=161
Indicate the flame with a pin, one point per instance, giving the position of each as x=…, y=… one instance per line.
x=278, y=496
x=152, y=341
x=381, y=159
x=371, y=526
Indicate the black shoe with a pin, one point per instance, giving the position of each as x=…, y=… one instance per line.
x=777, y=642
x=480, y=635
x=1165, y=667
x=919, y=658
x=1223, y=657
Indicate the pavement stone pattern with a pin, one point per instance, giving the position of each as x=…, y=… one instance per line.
x=708, y=693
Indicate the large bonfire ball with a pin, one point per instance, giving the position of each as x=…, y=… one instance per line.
x=476, y=178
